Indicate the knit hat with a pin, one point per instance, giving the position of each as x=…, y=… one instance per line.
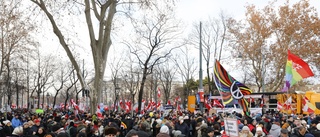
x=308, y=135
x=180, y=118
x=259, y=129
x=176, y=133
x=164, y=129
x=36, y=120
x=186, y=117
x=18, y=131
x=245, y=128
x=6, y=122
x=318, y=126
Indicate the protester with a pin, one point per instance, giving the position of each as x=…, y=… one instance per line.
x=275, y=128
x=182, y=127
x=299, y=132
x=110, y=132
x=245, y=132
x=41, y=132
x=164, y=132
x=16, y=121
x=18, y=132
x=7, y=129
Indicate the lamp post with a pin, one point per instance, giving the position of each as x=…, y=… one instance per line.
x=48, y=97
x=117, y=90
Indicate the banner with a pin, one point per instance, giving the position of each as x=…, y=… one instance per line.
x=238, y=110
x=191, y=103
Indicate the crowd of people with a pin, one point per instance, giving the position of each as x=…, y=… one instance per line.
x=155, y=124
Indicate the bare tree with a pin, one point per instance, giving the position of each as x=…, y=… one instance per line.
x=43, y=74
x=166, y=77
x=14, y=38
x=61, y=76
x=131, y=76
x=186, y=68
x=102, y=12
x=152, y=45
x=115, y=67
x=73, y=81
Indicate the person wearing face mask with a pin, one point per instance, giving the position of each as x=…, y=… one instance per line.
x=182, y=126
x=95, y=133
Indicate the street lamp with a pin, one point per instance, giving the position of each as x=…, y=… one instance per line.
x=48, y=97
x=117, y=90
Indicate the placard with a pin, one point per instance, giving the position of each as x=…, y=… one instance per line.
x=231, y=127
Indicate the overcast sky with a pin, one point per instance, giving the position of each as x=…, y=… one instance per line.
x=191, y=11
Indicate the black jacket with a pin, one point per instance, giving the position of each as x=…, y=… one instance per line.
x=184, y=128
x=7, y=130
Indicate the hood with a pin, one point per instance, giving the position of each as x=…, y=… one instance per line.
x=275, y=127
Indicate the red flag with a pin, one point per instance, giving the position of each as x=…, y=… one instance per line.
x=307, y=106
x=279, y=106
x=207, y=105
x=296, y=70
x=74, y=105
x=169, y=103
x=217, y=103
x=288, y=102
x=159, y=104
x=159, y=92
x=128, y=106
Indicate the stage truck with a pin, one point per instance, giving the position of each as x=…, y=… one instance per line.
x=254, y=100
x=265, y=102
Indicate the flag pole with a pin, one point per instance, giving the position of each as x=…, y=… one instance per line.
x=215, y=82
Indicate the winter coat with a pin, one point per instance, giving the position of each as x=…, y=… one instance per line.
x=275, y=130
x=160, y=135
x=7, y=130
x=16, y=122
x=184, y=128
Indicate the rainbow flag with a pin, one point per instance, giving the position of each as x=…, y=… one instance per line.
x=231, y=90
x=296, y=70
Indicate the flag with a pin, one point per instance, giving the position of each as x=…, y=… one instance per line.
x=207, y=104
x=217, y=103
x=296, y=70
x=75, y=106
x=99, y=112
x=307, y=106
x=287, y=104
x=128, y=106
x=168, y=103
x=159, y=92
x=279, y=106
x=231, y=90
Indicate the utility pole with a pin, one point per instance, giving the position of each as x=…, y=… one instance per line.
x=200, y=90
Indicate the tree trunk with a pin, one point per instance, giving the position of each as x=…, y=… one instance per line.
x=144, y=77
x=54, y=100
